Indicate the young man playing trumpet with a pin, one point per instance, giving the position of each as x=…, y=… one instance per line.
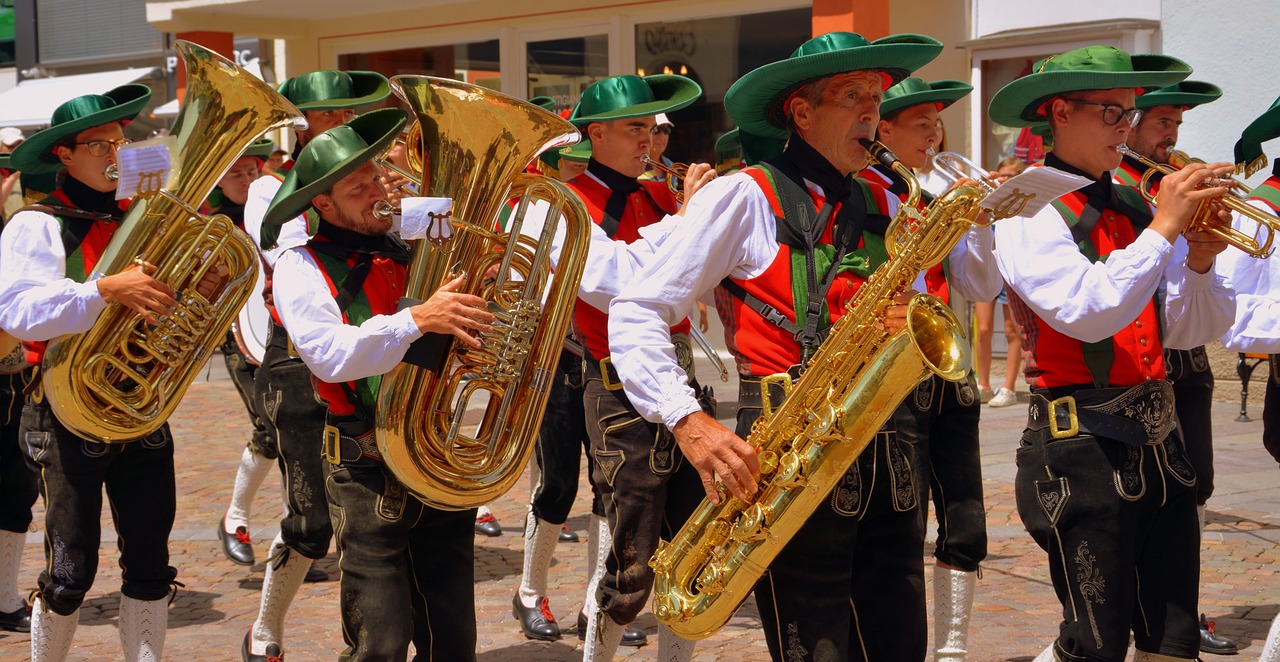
x=46, y=253
x=407, y=568
x=1103, y=482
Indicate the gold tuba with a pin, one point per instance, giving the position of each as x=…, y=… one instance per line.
x=850, y=388
x=476, y=143
x=122, y=379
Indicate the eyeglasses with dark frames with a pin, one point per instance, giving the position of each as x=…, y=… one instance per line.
x=98, y=148
x=1111, y=113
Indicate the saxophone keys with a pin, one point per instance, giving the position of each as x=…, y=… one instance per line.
x=790, y=472
x=751, y=525
x=711, y=581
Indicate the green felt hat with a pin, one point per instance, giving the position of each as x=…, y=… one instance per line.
x=626, y=97
x=579, y=151
x=545, y=103
x=728, y=146
x=35, y=155
x=1020, y=103
x=755, y=101
x=1249, y=156
x=914, y=91
x=328, y=89
x=260, y=149
x=325, y=160
x=1187, y=94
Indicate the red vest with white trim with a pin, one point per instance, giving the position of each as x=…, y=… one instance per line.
x=1056, y=359
x=642, y=209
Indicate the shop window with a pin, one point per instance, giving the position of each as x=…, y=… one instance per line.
x=475, y=63
x=563, y=68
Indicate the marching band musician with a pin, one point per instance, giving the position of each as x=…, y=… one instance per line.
x=639, y=497
x=1257, y=323
x=407, y=568
x=1103, y=483
x=328, y=98
x=849, y=585
x=940, y=419
x=46, y=252
x=1153, y=137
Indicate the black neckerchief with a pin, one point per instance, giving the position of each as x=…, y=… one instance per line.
x=90, y=200
x=1275, y=168
x=1100, y=195
x=233, y=211
x=341, y=243
x=815, y=167
x=620, y=186
x=297, y=150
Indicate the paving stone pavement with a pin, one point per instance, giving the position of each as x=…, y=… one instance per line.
x=1016, y=613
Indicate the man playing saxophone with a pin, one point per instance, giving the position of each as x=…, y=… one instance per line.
x=46, y=252
x=407, y=569
x=1103, y=483
x=849, y=585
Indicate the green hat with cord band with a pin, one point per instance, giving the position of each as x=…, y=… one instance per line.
x=1187, y=94
x=627, y=97
x=330, y=89
x=1248, y=150
x=35, y=155
x=915, y=91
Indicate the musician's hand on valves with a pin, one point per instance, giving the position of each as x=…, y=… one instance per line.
x=698, y=175
x=714, y=451
x=451, y=312
x=1202, y=248
x=895, y=315
x=213, y=280
x=135, y=289
x=1181, y=193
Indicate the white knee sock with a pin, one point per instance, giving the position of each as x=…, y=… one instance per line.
x=952, y=606
x=1046, y=655
x=599, y=540
x=279, y=586
x=1271, y=650
x=11, y=545
x=51, y=633
x=540, y=538
x=142, y=628
x=252, y=471
x=603, y=637
x=1200, y=515
x=671, y=648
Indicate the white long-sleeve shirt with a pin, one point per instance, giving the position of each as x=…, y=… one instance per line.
x=1256, y=327
x=293, y=233
x=333, y=350
x=1093, y=301
x=37, y=300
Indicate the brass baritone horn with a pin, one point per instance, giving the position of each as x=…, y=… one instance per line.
x=122, y=379
x=476, y=143
x=1206, y=217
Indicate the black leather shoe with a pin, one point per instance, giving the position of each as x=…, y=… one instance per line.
x=487, y=525
x=567, y=534
x=630, y=636
x=236, y=546
x=273, y=652
x=18, y=620
x=1211, y=642
x=315, y=574
x=536, y=622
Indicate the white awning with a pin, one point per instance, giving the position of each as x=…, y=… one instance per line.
x=32, y=102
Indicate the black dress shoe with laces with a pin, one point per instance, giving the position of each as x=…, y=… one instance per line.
x=236, y=546
x=487, y=525
x=1211, y=642
x=536, y=622
x=630, y=636
x=273, y=652
x=567, y=534
x=18, y=620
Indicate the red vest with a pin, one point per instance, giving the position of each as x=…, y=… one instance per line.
x=642, y=209
x=1130, y=174
x=759, y=346
x=381, y=289
x=1055, y=359
x=87, y=254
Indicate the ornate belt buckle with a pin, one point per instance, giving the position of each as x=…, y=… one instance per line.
x=1070, y=403
x=609, y=384
x=332, y=445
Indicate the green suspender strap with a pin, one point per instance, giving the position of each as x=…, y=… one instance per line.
x=354, y=305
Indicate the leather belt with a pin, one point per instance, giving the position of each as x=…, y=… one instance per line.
x=348, y=439
x=750, y=388
x=1139, y=415
x=279, y=338
x=603, y=369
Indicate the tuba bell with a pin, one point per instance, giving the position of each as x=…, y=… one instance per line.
x=476, y=143
x=121, y=379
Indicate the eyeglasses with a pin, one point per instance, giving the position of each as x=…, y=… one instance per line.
x=100, y=147
x=664, y=130
x=1111, y=113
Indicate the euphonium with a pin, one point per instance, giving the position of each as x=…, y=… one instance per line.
x=1206, y=217
x=477, y=143
x=850, y=388
x=122, y=379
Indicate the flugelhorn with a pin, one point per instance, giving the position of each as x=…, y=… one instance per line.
x=1206, y=217
x=675, y=176
x=954, y=166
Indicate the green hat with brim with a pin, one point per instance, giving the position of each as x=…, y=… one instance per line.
x=1249, y=156
x=35, y=155
x=914, y=91
x=35, y=186
x=261, y=149
x=756, y=102
x=1186, y=95
x=627, y=97
x=728, y=146
x=545, y=103
x=579, y=151
x=329, y=89
x=759, y=148
x=1021, y=102
x=325, y=160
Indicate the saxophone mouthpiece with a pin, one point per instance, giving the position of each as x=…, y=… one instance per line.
x=879, y=152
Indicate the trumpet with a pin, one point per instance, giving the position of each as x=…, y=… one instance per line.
x=1206, y=217
x=675, y=176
